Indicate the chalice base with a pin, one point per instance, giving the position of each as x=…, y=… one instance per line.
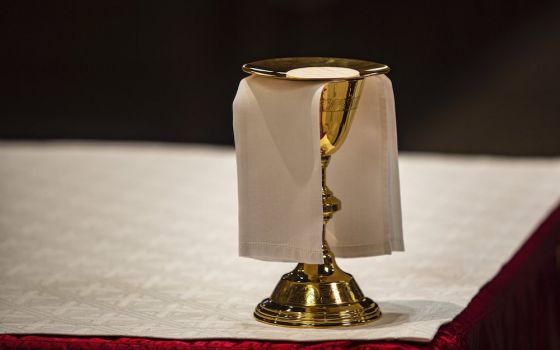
x=353, y=314
x=317, y=296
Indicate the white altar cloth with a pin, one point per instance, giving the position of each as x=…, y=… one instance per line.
x=141, y=240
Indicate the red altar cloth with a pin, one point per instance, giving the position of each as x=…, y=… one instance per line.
x=518, y=309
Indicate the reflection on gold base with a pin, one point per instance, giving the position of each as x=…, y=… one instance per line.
x=317, y=295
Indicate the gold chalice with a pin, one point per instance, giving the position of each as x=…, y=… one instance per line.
x=321, y=295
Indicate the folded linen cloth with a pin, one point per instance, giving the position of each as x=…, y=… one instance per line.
x=276, y=128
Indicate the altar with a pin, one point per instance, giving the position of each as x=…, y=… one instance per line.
x=115, y=245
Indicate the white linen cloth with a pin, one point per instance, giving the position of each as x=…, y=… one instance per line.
x=141, y=240
x=276, y=126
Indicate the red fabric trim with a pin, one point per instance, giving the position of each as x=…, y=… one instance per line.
x=518, y=309
x=70, y=343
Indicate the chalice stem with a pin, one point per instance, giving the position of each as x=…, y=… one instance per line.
x=331, y=204
x=324, y=163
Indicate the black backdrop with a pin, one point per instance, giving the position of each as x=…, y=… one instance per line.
x=471, y=76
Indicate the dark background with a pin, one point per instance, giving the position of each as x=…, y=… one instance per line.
x=470, y=76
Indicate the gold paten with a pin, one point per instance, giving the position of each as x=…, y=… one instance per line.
x=278, y=67
x=321, y=295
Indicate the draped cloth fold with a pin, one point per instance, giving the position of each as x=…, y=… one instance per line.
x=276, y=128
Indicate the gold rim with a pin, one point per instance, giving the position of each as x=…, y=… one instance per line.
x=278, y=67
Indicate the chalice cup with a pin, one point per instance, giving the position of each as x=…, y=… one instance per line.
x=322, y=295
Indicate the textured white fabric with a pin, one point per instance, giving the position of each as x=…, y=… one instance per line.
x=276, y=125
x=141, y=240
x=279, y=169
x=364, y=174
